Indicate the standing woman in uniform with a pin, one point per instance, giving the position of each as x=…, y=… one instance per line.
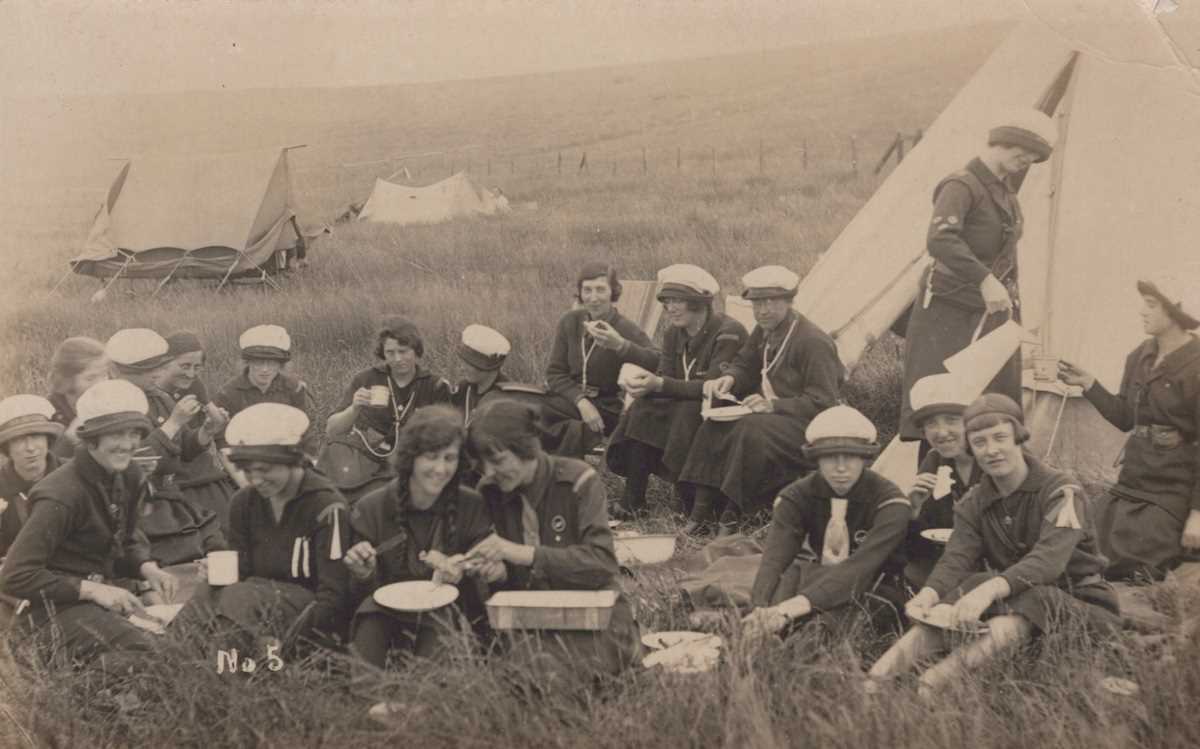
x=202, y=480
x=971, y=287
x=1150, y=520
x=552, y=533
x=787, y=372
x=77, y=364
x=289, y=529
x=655, y=434
x=27, y=435
x=590, y=345
x=366, y=423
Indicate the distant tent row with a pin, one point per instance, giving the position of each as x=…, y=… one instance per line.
x=453, y=197
x=1119, y=197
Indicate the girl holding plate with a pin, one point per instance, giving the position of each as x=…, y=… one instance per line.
x=1022, y=557
x=416, y=527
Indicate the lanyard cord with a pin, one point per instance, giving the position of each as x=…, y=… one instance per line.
x=767, y=367
x=687, y=367
x=586, y=352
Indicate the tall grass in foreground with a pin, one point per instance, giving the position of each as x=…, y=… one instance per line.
x=802, y=692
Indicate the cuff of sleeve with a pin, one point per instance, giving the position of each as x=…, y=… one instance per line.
x=165, y=444
x=1015, y=585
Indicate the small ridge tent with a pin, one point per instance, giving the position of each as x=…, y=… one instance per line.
x=215, y=216
x=451, y=198
x=1119, y=197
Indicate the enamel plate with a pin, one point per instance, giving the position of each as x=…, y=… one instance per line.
x=415, y=595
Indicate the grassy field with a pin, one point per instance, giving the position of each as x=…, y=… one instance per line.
x=515, y=274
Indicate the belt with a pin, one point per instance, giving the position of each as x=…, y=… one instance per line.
x=1146, y=431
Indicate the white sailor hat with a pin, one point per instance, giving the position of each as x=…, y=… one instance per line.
x=137, y=349
x=27, y=414
x=840, y=430
x=689, y=282
x=1030, y=129
x=110, y=406
x=270, y=432
x=266, y=342
x=483, y=348
x=937, y=394
x=769, y=282
x=1179, y=290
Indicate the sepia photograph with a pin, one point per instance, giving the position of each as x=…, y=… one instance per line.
x=623, y=373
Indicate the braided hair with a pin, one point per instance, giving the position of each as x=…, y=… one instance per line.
x=431, y=429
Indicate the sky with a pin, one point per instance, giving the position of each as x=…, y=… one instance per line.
x=57, y=47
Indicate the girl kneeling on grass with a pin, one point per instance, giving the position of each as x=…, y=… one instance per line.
x=288, y=529
x=552, y=534
x=436, y=521
x=853, y=515
x=1031, y=524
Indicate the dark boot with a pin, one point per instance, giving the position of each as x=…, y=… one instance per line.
x=728, y=524
x=703, y=511
x=640, y=459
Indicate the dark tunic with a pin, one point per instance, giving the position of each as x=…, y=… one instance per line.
x=923, y=554
x=64, y=413
x=574, y=552
x=668, y=420
x=567, y=434
x=877, y=515
x=1141, y=521
x=424, y=390
x=202, y=480
x=750, y=459
x=452, y=526
x=15, y=491
x=976, y=224
x=82, y=525
x=1051, y=567
x=239, y=393
x=287, y=563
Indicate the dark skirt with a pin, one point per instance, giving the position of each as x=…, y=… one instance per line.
x=666, y=424
x=237, y=614
x=563, y=430
x=1140, y=538
x=213, y=496
x=939, y=332
x=1048, y=607
x=750, y=459
x=376, y=630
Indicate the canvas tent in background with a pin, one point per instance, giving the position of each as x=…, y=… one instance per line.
x=215, y=216
x=1119, y=197
x=453, y=197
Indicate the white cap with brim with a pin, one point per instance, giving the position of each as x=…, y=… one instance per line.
x=111, y=406
x=138, y=349
x=840, y=430
x=769, y=282
x=685, y=281
x=269, y=432
x=936, y=394
x=266, y=342
x=1179, y=290
x=22, y=415
x=483, y=348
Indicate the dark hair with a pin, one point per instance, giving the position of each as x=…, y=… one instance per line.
x=431, y=428
x=596, y=270
x=402, y=331
x=989, y=420
x=504, y=425
x=70, y=359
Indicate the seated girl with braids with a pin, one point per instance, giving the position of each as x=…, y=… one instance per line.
x=427, y=522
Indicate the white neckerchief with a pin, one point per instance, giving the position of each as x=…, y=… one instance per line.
x=586, y=352
x=837, y=535
x=768, y=390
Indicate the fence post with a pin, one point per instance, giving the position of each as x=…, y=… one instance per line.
x=614, y=167
x=760, y=156
x=489, y=168
x=583, y=165
x=854, y=154
x=804, y=154
x=678, y=159
x=560, y=163
x=714, y=160
x=645, y=167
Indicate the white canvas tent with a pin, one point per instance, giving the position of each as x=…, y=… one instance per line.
x=194, y=216
x=453, y=197
x=1120, y=196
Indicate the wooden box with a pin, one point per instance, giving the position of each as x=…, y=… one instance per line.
x=551, y=609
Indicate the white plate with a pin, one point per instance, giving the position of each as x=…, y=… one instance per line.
x=937, y=535
x=415, y=595
x=662, y=640
x=939, y=616
x=725, y=413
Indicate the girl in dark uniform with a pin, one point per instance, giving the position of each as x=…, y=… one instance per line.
x=438, y=520
x=655, y=435
x=27, y=435
x=1150, y=521
x=590, y=345
x=971, y=287
x=787, y=372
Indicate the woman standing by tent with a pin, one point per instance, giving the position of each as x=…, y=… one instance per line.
x=77, y=364
x=971, y=287
x=365, y=426
x=787, y=372
x=1150, y=520
x=590, y=345
x=655, y=434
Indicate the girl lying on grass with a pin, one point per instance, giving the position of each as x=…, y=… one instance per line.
x=1029, y=523
x=853, y=515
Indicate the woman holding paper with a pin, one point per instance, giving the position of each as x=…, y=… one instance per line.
x=289, y=530
x=417, y=527
x=551, y=534
x=971, y=287
x=1150, y=520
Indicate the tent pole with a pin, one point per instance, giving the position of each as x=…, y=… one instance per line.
x=62, y=280
x=169, y=276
